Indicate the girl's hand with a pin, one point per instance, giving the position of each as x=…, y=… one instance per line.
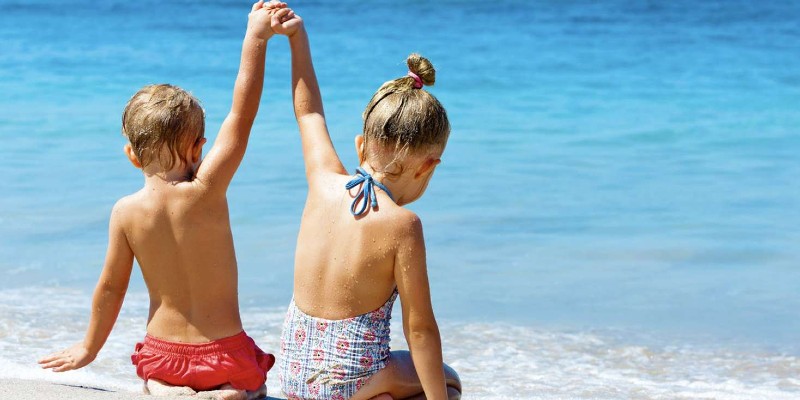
x=286, y=22
x=74, y=357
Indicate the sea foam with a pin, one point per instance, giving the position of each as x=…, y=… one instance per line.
x=495, y=361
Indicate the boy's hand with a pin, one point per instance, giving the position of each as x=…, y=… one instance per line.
x=259, y=19
x=74, y=357
x=286, y=22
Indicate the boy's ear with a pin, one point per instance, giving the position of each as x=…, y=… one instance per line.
x=427, y=167
x=360, y=148
x=197, y=151
x=131, y=156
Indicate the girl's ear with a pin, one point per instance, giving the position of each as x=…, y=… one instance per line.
x=197, y=150
x=427, y=167
x=131, y=156
x=360, y=148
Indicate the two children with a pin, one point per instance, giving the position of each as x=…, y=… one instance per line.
x=350, y=264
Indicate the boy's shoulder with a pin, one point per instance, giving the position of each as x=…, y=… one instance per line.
x=125, y=207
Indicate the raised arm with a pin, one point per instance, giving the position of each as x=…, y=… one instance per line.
x=222, y=161
x=106, y=302
x=419, y=324
x=318, y=151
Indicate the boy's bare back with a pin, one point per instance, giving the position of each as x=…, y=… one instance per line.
x=181, y=236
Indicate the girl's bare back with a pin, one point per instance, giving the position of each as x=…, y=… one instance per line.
x=344, y=265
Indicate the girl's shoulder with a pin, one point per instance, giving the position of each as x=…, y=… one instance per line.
x=403, y=222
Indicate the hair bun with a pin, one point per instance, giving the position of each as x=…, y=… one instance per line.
x=422, y=68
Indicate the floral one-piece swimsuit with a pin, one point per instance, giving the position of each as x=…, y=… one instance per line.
x=332, y=359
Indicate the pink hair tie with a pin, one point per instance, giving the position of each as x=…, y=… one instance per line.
x=417, y=80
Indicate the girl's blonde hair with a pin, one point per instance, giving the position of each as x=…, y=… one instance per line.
x=403, y=115
x=161, y=122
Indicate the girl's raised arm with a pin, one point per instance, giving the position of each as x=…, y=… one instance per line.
x=318, y=151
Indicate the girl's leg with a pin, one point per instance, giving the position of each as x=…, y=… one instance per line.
x=399, y=379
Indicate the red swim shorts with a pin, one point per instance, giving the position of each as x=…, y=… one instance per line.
x=204, y=366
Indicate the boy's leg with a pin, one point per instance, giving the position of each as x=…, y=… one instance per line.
x=399, y=379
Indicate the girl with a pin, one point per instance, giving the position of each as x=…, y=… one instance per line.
x=358, y=248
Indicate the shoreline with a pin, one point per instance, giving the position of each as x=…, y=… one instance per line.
x=11, y=388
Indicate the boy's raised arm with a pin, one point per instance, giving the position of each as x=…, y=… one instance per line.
x=218, y=167
x=318, y=150
x=106, y=301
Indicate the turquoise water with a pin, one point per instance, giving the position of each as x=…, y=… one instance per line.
x=619, y=176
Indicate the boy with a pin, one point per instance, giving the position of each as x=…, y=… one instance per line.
x=178, y=229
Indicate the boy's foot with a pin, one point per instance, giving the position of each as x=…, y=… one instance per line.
x=225, y=392
x=156, y=387
x=382, y=396
x=261, y=393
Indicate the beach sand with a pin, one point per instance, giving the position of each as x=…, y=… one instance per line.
x=28, y=389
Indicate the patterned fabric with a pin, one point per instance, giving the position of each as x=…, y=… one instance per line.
x=327, y=359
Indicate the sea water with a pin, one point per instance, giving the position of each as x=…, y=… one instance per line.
x=615, y=215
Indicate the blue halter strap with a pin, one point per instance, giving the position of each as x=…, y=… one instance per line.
x=367, y=192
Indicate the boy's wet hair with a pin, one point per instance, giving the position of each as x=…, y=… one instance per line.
x=161, y=122
x=403, y=115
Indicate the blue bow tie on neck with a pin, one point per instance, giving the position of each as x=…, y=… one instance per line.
x=367, y=191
